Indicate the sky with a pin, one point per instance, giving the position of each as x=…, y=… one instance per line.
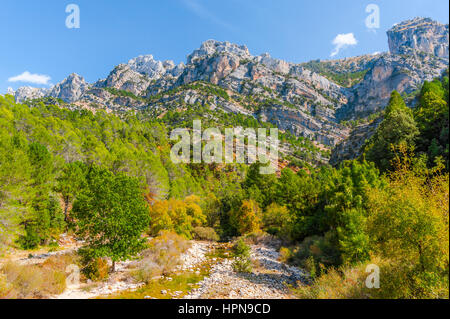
x=39, y=50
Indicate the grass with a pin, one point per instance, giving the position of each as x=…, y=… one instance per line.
x=222, y=252
x=180, y=281
x=162, y=257
x=183, y=282
x=35, y=281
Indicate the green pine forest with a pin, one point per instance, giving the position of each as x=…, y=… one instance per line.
x=109, y=179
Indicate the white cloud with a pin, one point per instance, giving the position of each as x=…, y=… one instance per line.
x=342, y=41
x=31, y=78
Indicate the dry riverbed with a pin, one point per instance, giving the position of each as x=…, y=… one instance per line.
x=205, y=272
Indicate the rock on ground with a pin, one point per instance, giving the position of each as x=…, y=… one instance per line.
x=269, y=279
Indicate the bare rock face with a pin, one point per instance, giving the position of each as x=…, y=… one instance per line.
x=300, y=123
x=404, y=73
x=421, y=34
x=301, y=98
x=211, y=68
x=146, y=64
x=213, y=47
x=28, y=93
x=124, y=78
x=351, y=147
x=279, y=66
x=418, y=53
x=71, y=89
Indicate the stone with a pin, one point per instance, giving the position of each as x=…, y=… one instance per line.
x=422, y=34
x=298, y=99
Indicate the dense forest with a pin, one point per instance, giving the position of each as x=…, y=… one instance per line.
x=67, y=170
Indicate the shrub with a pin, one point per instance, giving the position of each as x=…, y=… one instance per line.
x=30, y=281
x=176, y=215
x=262, y=238
x=246, y=219
x=322, y=250
x=409, y=225
x=349, y=282
x=5, y=286
x=93, y=268
x=277, y=220
x=161, y=257
x=242, y=262
x=205, y=233
x=285, y=254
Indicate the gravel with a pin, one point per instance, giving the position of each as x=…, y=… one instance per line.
x=268, y=280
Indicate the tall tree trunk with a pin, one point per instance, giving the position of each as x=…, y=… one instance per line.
x=113, y=269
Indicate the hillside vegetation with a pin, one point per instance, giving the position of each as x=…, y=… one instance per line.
x=109, y=180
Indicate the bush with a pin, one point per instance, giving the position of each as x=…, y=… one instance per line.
x=162, y=256
x=285, y=254
x=349, y=282
x=242, y=262
x=246, y=219
x=205, y=233
x=262, y=238
x=93, y=268
x=322, y=250
x=179, y=216
x=277, y=221
x=5, y=286
x=30, y=281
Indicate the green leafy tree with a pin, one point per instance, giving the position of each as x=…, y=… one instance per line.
x=346, y=208
x=111, y=214
x=69, y=184
x=432, y=117
x=260, y=187
x=242, y=262
x=409, y=226
x=247, y=219
x=398, y=127
x=277, y=220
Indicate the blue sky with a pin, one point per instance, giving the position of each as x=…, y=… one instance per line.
x=35, y=38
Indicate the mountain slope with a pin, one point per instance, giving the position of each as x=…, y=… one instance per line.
x=309, y=100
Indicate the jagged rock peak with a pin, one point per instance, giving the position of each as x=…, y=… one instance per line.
x=422, y=34
x=211, y=47
x=28, y=93
x=154, y=69
x=70, y=89
x=274, y=64
x=148, y=65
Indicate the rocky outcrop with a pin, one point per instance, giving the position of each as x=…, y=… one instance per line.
x=304, y=99
x=28, y=93
x=404, y=73
x=421, y=34
x=126, y=79
x=351, y=147
x=146, y=64
x=213, y=47
x=300, y=123
x=71, y=89
x=418, y=53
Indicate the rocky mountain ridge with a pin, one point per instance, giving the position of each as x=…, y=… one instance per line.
x=420, y=34
x=309, y=99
